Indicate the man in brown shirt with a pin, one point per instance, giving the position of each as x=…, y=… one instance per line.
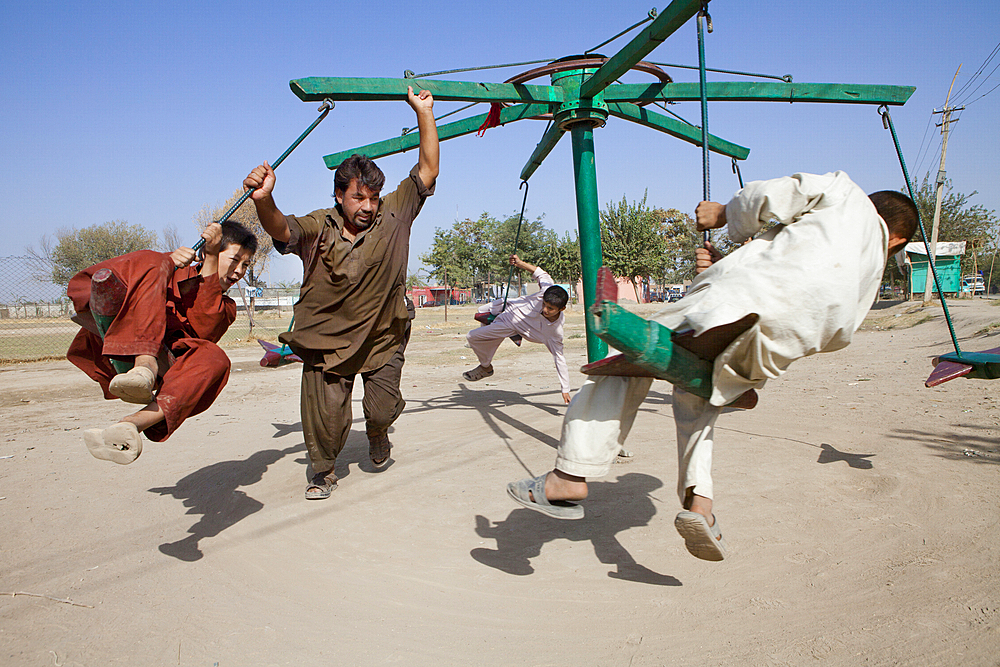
x=351, y=314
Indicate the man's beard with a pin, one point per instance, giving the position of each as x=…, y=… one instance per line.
x=361, y=225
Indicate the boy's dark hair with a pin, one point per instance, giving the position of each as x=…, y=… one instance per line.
x=362, y=168
x=898, y=211
x=556, y=296
x=233, y=233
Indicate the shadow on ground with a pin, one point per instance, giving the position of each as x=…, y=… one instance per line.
x=214, y=492
x=981, y=447
x=521, y=536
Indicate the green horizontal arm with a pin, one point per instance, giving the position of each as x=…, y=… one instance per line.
x=760, y=91
x=676, y=128
x=672, y=18
x=355, y=89
x=446, y=131
x=544, y=147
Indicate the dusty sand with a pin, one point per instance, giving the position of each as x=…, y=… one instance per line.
x=860, y=509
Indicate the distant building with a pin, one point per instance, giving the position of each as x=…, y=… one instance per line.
x=435, y=295
x=947, y=261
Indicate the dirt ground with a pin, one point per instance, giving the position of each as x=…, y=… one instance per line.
x=860, y=509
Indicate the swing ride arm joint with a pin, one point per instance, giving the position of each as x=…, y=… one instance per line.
x=648, y=344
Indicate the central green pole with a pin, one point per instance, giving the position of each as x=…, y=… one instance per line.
x=589, y=221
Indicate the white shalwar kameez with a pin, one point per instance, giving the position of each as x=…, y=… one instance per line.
x=811, y=280
x=523, y=316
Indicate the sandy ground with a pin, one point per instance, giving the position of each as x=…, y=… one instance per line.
x=860, y=509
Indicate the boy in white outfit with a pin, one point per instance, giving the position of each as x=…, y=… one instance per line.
x=802, y=287
x=538, y=318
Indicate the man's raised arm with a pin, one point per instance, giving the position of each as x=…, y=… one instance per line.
x=427, y=163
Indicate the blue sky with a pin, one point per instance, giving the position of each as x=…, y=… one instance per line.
x=148, y=111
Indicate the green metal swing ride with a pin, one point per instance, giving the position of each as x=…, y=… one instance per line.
x=582, y=95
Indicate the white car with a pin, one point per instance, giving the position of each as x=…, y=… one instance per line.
x=974, y=284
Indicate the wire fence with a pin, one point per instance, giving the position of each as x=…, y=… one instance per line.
x=36, y=324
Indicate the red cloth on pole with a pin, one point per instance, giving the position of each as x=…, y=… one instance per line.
x=492, y=119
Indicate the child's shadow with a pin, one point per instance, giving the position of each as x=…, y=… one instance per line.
x=214, y=493
x=611, y=508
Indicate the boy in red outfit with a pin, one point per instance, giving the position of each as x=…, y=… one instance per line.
x=168, y=326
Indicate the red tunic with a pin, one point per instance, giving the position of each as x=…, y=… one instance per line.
x=178, y=310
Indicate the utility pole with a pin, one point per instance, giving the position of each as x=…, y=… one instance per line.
x=945, y=122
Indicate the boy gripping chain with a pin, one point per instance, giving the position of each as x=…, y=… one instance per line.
x=802, y=287
x=538, y=318
x=171, y=319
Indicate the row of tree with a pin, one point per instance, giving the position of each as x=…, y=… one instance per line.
x=60, y=257
x=638, y=241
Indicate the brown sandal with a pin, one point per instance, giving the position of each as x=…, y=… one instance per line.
x=378, y=450
x=321, y=486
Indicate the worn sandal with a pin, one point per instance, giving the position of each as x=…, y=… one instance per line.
x=702, y=541
x=378, y=451
x=477, y=373
x=120, y=443
x=321, y=486
x=523, y=491
x=135, y=386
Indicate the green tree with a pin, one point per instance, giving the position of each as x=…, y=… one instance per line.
x=680, y=240
x=72, y=250
x=632, y=241
x=476, y=252
x=562, y=258
x=960, y=221
x=246, y=215
x=172, y=239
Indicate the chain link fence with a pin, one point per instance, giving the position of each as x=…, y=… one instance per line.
x=35, y=314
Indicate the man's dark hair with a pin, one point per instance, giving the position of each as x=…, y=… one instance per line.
x=556, y=296
x=898, y=211
x=233, y=233
x=362, y=168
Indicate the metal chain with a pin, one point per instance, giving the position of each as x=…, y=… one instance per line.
x=883, y=110
x=324, y=109
x=649, y=17
x=517, y=237
x=703, y=15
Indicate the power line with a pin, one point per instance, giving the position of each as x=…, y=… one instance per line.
x=920, y=149
x=973, y=91
x=978, y=71
x=984, y=94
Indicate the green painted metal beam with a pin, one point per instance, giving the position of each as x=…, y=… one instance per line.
x=446, y=131
x=672, y=18
x=544, y=147
x=676, y=128
x=588, y=215
x=761, y=91
x=356, y=89
x=650, y=345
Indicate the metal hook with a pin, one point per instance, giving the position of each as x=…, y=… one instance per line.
x=327, y=105
x=524, y=184
x=704, y=12
x=408, y=74
x=883, y=110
